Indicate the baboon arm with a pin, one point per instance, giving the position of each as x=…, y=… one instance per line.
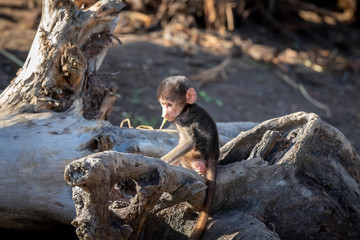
x=178, y=151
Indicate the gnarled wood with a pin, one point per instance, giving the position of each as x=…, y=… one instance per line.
x=293, y=177
x=42, y=127
x=69, y=46
x=38, y=147
x=98, y=174
x=302, y=184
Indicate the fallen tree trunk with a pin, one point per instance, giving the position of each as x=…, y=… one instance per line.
x=37, y=148
x=293, y=177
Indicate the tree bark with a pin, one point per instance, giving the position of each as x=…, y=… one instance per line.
x=69, y=46
x=293, y=177
x=38, y=146
x=42, y=112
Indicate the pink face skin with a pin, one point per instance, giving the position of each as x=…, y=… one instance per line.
x=170, y=110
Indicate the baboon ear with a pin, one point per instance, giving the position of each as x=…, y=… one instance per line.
x=190, y=96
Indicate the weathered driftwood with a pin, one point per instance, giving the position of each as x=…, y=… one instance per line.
x=69, y=46
x=105, y=173
x=36, y=147
x=302, y=182
x=41, y=112
x=294, y=177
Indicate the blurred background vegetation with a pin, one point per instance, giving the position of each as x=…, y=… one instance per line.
x=304, y=56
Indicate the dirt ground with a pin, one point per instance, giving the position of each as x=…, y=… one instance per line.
x=252, y=92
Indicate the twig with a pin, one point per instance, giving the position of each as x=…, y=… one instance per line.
x=145, y=127
x=127, y=120
x=291, y=82
x=209, y=13
x=229, y=17
x=160, y=13
x=12, y=57
x=318, y=104
x=211, y=74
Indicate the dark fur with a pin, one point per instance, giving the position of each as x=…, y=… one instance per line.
x=202, y=129
x=198, y=139
x=173, y=89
